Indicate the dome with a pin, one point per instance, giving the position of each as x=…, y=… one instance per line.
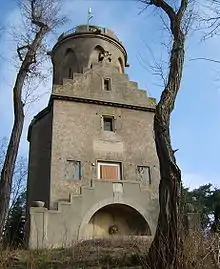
x=82, y=48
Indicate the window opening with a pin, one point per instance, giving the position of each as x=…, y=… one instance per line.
x=108, y=124
x=70, y=73
x=109, y=171
x=143, y=175
x=107, y=84
x=101, y=57
x=73, y=170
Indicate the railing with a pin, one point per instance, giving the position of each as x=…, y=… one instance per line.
x=69, y=32
x=87, y=28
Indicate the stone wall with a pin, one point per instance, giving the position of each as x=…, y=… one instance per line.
x=71, y=222
x=38, y=185
x=78, y=133
x=83, y=47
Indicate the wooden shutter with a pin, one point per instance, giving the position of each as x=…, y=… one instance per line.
x=109, y=172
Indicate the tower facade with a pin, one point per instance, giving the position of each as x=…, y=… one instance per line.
x=93, y=168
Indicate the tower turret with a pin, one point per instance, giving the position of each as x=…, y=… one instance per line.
x=84, y=47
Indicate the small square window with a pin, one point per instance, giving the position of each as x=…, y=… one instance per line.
x=108, y=123
x=143, y=175
x=107, y=84
x=73, y=170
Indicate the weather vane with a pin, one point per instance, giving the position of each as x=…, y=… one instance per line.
x=90, y=16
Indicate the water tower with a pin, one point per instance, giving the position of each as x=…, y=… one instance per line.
x=93, y=167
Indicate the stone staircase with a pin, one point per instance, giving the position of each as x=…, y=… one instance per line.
x=68, y=223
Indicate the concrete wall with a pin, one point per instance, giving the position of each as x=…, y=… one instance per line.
x=125, y=219
x=40, y=160
x=89, y=85
x=83, y=47
x=78, y=133
x=72, y=220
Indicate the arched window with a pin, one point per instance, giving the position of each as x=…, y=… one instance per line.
x=70, y=64
x=96, y=56
x=120, y=65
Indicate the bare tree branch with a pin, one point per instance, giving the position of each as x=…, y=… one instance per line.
x=19, y=49
x=182, y=9
x=205, y=59
x=166, y=245
x=19, y=174
x=40, y=17
x=161, y=4
x=210, y=18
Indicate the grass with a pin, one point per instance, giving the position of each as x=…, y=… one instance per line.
x=103, y=253
x=199, y=252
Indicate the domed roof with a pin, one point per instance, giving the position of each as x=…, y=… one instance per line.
x=88, y=29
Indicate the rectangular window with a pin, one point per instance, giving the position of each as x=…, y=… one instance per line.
x=108, y=123
x=73, y=170
x=143, y=175
x=107, y=84
x=109, y=171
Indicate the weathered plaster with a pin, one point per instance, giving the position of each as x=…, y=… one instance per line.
x=71, y=129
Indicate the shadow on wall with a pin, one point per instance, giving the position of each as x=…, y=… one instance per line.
x=70, y=64
x=117, y=219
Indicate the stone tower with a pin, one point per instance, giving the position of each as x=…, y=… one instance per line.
x=93, y=168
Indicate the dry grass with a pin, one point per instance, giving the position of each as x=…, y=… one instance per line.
x=103, y=253
x=112, y=253
x=198, y=253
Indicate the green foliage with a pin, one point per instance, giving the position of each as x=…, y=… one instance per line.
x=206, y=201
x=15, y=225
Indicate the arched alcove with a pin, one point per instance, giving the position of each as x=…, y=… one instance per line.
x=96, y=56
x=69, y=65
x=117, y=220
x=120, y=65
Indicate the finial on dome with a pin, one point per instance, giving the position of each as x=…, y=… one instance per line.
x=90, y=16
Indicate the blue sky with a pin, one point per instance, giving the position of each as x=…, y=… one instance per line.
x=195, y=125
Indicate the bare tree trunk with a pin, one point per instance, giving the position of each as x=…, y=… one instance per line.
x=165, y=248
x=39, y=17
x=12, y=150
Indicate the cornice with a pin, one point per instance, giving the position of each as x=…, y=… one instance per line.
x=102, y=103
x=53, y=97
